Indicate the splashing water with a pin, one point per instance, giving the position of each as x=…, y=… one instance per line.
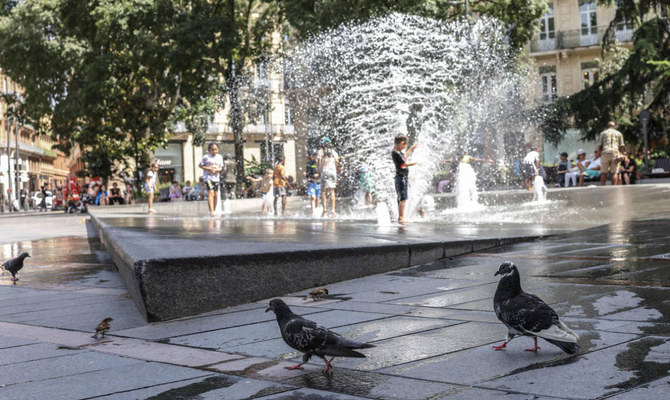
x=539, y=190
x=450, y=86
x=466, y=187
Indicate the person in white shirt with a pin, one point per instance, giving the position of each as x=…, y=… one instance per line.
x=592, y=169
x=531, y=166
x=212, y=164
x=150, y=185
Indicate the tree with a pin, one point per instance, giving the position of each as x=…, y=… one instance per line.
x=630, y=80
x=308, y=17
x=106, y=75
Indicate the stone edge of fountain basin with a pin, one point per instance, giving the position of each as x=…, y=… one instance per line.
x=170, y=288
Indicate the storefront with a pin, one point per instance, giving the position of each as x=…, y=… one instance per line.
x=170, y=163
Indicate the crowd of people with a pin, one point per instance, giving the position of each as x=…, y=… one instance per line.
x=321, y=170
x=610, y=157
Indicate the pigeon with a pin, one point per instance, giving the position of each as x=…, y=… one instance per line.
x=311, y=339
x=525, y=314
x=14, y=265
x=102, y=328
x=317, y=294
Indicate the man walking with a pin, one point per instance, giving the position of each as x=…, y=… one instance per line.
x=611, y=144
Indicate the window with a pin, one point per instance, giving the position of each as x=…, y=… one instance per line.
x=262, y=70
x=589, y=74
x=624, y=25
x=277, y=150
x=589, y=23
x=548, y=83
x=288, y=115
x=547, y=30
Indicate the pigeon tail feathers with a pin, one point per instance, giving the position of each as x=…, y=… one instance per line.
x=568, y=347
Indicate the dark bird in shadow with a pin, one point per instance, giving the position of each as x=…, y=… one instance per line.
x=317, y=294
x=14, y=265
x=102, y=328
x=311, y=339
x=525, y=314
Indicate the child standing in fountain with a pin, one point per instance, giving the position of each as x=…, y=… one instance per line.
x=212, y=164
x=401, y=172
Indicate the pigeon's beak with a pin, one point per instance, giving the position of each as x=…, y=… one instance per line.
x=268, y=309
x=497, y=273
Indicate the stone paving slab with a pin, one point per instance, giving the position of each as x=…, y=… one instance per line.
x=465, y=367
x=100, y=383
x=625, y=366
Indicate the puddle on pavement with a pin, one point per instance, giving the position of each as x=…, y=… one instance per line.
x=354, y=383
x=648, y=359
x=78, y=261
x=194, y=390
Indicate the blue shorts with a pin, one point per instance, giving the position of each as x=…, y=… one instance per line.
x=148, y=189
x=314, y=189
x=401, y=187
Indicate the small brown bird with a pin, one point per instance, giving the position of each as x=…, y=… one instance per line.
x=317, y=294
x=102, y=328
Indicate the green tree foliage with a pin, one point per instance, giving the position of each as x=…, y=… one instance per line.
x=105, y=75
x=312, y=16
x=629, y=80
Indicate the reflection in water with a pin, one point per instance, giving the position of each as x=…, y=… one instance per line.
x=648, y=359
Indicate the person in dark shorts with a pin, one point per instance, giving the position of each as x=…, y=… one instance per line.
x=212, y=164
x=402, y=172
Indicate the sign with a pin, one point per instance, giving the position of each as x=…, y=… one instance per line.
x=163, y=162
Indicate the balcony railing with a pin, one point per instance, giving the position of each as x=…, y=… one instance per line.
x=574, y=38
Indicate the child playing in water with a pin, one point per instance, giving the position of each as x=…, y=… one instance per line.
x=402, y=171
x=266, y=187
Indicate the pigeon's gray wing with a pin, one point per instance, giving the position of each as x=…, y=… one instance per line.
x=527, y=313
x=308, y=337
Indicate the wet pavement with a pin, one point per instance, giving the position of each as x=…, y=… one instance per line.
x=432, y=324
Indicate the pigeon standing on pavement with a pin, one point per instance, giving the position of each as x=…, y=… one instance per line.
x=525, y=314
x=311, y=339
x=317, y=294
x=102, y=328
x=14, y=265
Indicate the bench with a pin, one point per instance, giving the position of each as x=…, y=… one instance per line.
x=661, y=169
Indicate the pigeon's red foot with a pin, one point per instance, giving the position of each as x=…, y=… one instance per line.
x=502, y=346
x=329, y=366
x=536, y=348
x=299, y=366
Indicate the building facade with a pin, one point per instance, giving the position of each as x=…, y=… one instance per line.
x=27, y=160
x=272, y=133
x=565, y=51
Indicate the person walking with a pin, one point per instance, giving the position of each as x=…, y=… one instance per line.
x=212, y=164
x=611, y=146
x=313, y=181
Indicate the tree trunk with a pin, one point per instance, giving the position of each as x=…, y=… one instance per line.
x=236, y=125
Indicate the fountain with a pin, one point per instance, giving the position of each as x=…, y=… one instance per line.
x=450, y=86
x=539, y=190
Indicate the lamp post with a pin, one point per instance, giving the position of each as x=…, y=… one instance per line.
x=458, y=3
x=9, y=158
x=644, y=118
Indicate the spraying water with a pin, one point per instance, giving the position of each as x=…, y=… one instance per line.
x=449, y=86
x=539, y=190
x=466, y=187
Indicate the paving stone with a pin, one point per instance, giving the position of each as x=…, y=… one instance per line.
x=466, y=393
x=104, y=382
x=598, y=374
x=67, y=364
x=371, y=385
x=8, y=341
x=310, y=394
x=31, y=352
x=657, y=389
x=466, y=367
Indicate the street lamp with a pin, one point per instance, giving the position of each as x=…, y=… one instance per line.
x=644, y=118
x=458, y=3
x=5, y=91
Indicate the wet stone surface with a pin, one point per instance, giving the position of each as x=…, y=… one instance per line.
x=433, y=326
